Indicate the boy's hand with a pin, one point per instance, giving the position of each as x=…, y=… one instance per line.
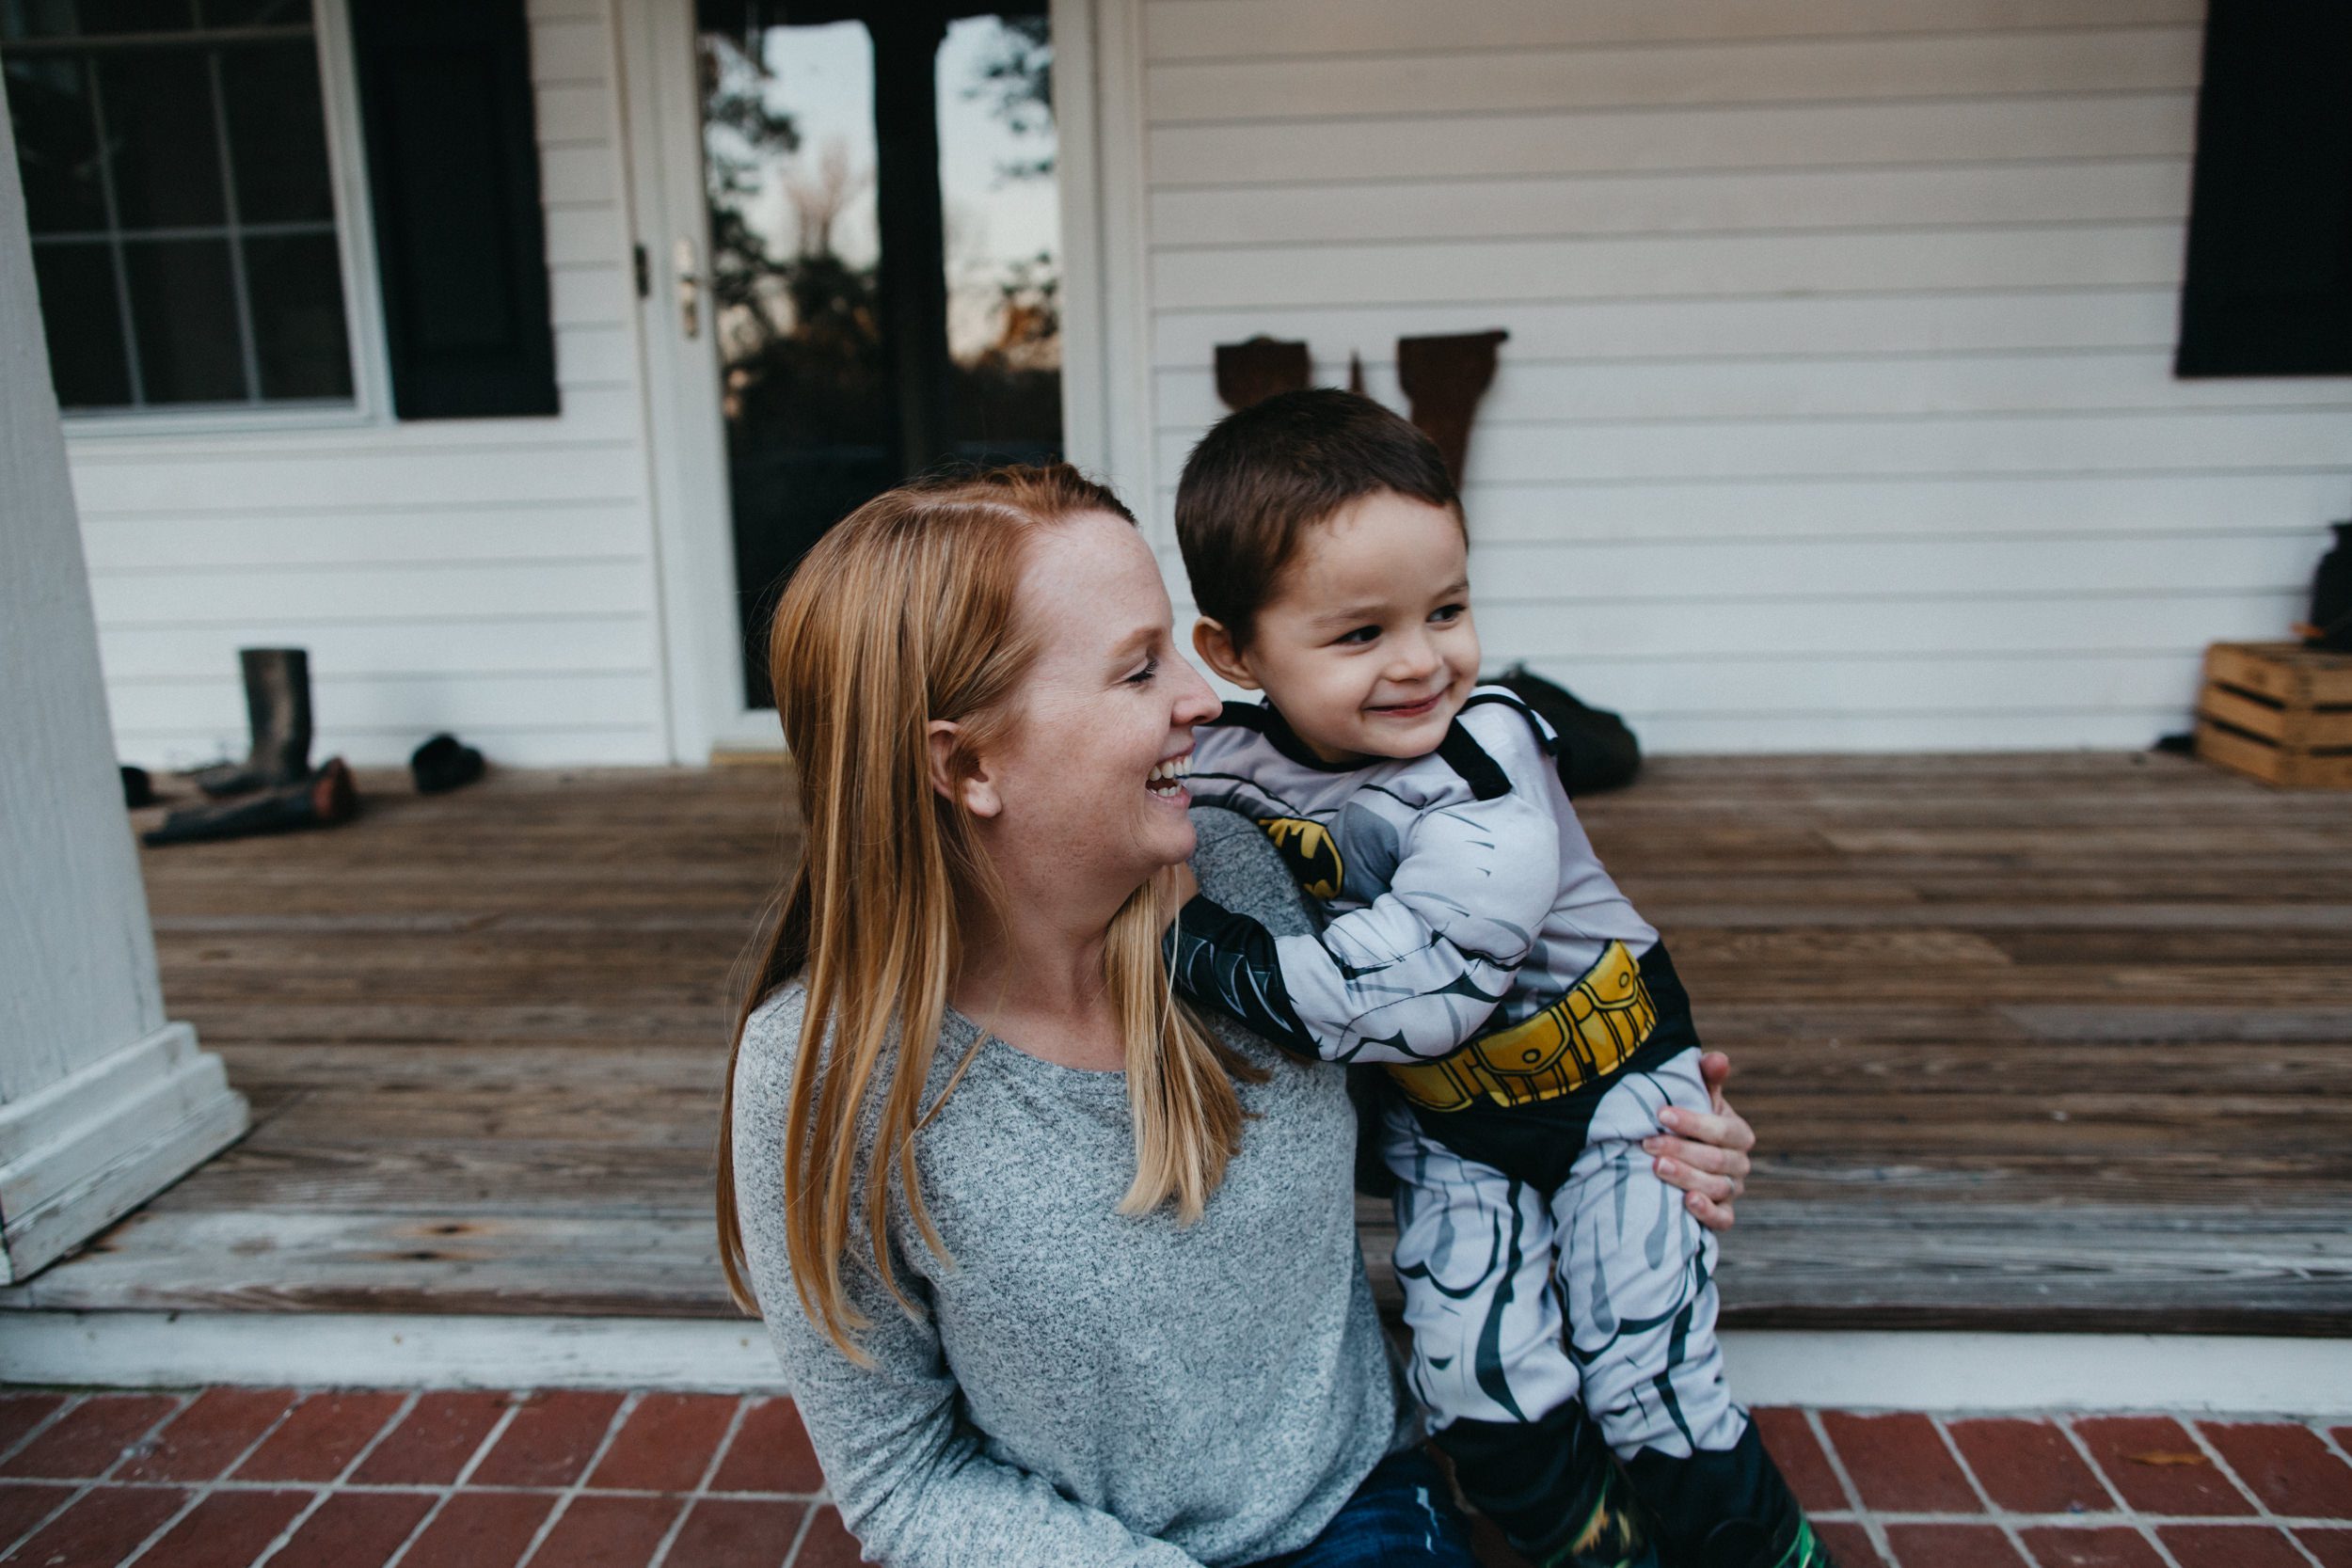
x=1705, y=1155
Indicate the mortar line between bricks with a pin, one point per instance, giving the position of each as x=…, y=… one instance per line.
x=302, y=1515
x=702, y=1482
x=611, y=1430
x=1968, y=1474
x=800, y=1536
x=2262, y=1505
x=69, y=1403
x=2328, y=1440
x=430, y=1488
x=77, y=1491
x=2098, y=1471
x=1862, y=1516
x=195, y=1493
x=465, y=1472
x=293, y=1403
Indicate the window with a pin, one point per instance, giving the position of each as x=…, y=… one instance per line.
x=2268, y=289
x=180, y=197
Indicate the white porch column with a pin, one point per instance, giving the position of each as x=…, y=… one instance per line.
x=102, y=1102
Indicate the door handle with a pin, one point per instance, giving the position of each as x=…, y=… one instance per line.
x=683, y=262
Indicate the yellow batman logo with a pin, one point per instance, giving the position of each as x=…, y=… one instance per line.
x=1310, y=852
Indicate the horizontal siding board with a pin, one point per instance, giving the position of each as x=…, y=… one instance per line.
x=424, y=475
x=2148, y=190
x=590, y=236
x=259, y=600
x=1900, y=730
x=2035, y=683
x=1705, y=328
x=1679, y=266
x=1242, y=29
x=509, y=745
x=1845, y=388
x=1776, y=71
x=602, y=356
x=1785, y=136
x=578, y=644
x=574, y=114
x=570, y=49
x=596, y=294
x=606, y=531
x=574, y=174
x=1991, y=444
x=421, y=704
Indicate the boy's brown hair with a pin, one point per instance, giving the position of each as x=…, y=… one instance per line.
x=1261, y=477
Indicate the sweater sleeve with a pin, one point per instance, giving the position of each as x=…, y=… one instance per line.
x=1416, y=973
x=910, y=1475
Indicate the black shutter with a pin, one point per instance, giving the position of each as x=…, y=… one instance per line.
x=453, y=172
x=2268, y=289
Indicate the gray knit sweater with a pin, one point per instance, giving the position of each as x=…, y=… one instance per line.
x=1087, y=1388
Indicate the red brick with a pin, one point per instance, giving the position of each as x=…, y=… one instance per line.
x=318, y=1442
x=828, y=1544
x=607, y=1532
x=771, y=1454
x=2231, y=1547
x=549, y=1441
x=90, y=1439
x=2333, y=1547
x=2029, y=1467
x=21, y=1413
x=432, y=1443
x=1788, y=1438
x=354, y=1529
x=2103, y=1546
x=205, y=1439
x=481, y=1529
x=1951, y=1545
x=99, y=1529
x=2157, y=1466
x=737, y=1532
x=1849, y=1543
x=1899, y=1464
x=2288, y=1467
x=666, y=1443
x=22, y=1507
x=228, y=1530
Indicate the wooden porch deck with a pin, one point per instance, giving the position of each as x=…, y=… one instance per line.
x=2050, y=1042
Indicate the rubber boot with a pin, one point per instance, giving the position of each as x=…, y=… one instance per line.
x=277, y=714
x=326, y=797
x=1724, y=1508
x=1553, y=1487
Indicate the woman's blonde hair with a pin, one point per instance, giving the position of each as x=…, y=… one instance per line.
x=903, y=614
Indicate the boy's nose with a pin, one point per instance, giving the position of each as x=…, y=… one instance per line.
x=1415, y=659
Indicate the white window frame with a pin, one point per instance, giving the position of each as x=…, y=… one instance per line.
x=363, y=301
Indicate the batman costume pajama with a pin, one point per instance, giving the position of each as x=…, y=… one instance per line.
x=1532, y=1027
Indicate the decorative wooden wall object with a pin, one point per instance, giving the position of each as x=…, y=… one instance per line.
x=1255, y=370
x=1444, y=378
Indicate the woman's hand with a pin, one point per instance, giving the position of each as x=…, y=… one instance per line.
x=1705, y=1155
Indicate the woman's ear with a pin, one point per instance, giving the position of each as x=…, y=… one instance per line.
x=957, y=774
x=1214, y=646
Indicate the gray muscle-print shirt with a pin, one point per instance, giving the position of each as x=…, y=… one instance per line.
x=1457, y=890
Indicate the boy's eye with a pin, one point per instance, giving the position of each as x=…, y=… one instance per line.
x=1360, y=636
x=1151, y=668
x=1445, y=613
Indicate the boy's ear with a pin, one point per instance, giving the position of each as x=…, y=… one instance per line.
x=1214, y=646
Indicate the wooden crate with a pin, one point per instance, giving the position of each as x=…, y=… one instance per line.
x=2278, y=711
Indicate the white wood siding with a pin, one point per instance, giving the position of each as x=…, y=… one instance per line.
x=492, y=576
x=1837, y=411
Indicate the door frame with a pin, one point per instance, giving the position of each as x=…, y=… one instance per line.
x=1098, y=107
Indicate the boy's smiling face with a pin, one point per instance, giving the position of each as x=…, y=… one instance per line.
x=1366, y=647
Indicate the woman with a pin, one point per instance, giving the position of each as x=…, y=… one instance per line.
x=1058, y=1276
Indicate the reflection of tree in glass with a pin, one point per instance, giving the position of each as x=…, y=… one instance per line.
x=800, y=335
x=1016, y=78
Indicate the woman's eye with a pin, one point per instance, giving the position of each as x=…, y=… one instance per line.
x=1360, y=636
x=1142, y=677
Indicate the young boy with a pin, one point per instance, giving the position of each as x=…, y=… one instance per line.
x=1530, y=1021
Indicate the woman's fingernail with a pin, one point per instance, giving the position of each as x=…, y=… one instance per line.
x=1665, y=1168
x=1651, y=1145
x=1670, y=1117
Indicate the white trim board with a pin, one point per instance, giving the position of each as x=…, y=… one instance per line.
x=1859, y=1370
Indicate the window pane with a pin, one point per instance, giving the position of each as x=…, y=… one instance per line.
x=297, y=287
x=255, y=13
x=84, y=327
x=36, y=19
x=186, y=320
x=134, y=16
x=277, y=133
x=167, y=151
x=56, y=144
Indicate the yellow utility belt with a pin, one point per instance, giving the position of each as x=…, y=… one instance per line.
x=1585, y=1036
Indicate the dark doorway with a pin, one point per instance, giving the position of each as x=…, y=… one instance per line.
x=884, y=260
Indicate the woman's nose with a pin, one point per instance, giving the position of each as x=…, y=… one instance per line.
x=1196, y=703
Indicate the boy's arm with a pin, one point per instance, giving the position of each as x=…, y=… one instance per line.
x=1415, y=973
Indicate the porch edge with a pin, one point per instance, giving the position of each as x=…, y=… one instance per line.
x=1849, y=1370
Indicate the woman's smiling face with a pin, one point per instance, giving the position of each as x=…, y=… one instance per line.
x=1103, y=717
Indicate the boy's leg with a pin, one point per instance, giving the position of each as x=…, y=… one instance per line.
x=1474, y=1255
x=1637, y=1273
